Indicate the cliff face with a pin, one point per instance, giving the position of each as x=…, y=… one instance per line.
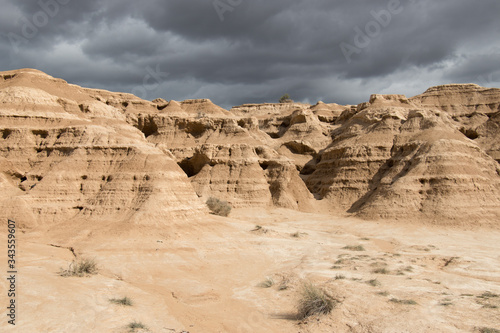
x=393, y=158
x=68, y=152
x=460, y=99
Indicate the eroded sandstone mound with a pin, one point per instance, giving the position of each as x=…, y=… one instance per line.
x=67, y=153
x=70, y=153
x=393, y=158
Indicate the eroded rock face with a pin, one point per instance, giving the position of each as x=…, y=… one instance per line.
x=434, y=172
x=359, y=148
x=69, y=153
x=460, y=99
x=246, y=175
x=394, y=159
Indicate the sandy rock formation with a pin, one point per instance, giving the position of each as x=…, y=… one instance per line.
x=266, y=110
x=67, y=154
x=359, y=148
x=460, y=99
x=246, y=175
x=393, y=159
x=328, y=113
x=203, y=108
x=435, y=173
x=474, y=108
x=487, y=135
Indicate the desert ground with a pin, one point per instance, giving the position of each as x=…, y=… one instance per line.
x=206, y=275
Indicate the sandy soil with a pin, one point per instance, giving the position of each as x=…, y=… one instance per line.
x=203, y=275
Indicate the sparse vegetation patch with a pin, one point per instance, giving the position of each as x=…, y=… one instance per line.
x=374, y=283
x=354, y=247
x=133, y=326
x=403, y=301
x=122, y=301
x=488, y=330
x=283, y=284
x=218, y=207
x=381, y=271
x=314, y=301
x=81, y=267
x=267, y=283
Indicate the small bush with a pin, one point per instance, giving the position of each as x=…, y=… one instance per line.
x=314, y=301
x=354, y=247
x=403, y=301
x=284, y=284
x=218, y=207
x=80, y=268
x=374, y=283
x=285, y=99
x=488, y=294
x=122, y=301
x=267, y=283
x=339, y=277
x=488, y=330
x=381, y=271
x=136, y=325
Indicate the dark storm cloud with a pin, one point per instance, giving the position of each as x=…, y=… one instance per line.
x=237, y=51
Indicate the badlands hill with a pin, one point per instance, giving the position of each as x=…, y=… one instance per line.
x=73, y=153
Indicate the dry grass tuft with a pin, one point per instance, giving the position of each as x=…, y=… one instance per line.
x=403, y=301
x=314, y=301
x=267, y=283
x=81, y=267
x=381, y=271
x=488, y=330
x=354, y=247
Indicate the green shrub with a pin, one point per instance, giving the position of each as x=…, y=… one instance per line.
x=218, y=207
x=285, y=99
x=314, y=301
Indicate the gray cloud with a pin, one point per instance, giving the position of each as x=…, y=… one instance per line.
x=260, y=50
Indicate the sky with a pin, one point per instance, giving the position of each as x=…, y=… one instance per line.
x=254, y=51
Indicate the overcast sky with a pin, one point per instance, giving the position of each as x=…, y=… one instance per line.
x=245, y=51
